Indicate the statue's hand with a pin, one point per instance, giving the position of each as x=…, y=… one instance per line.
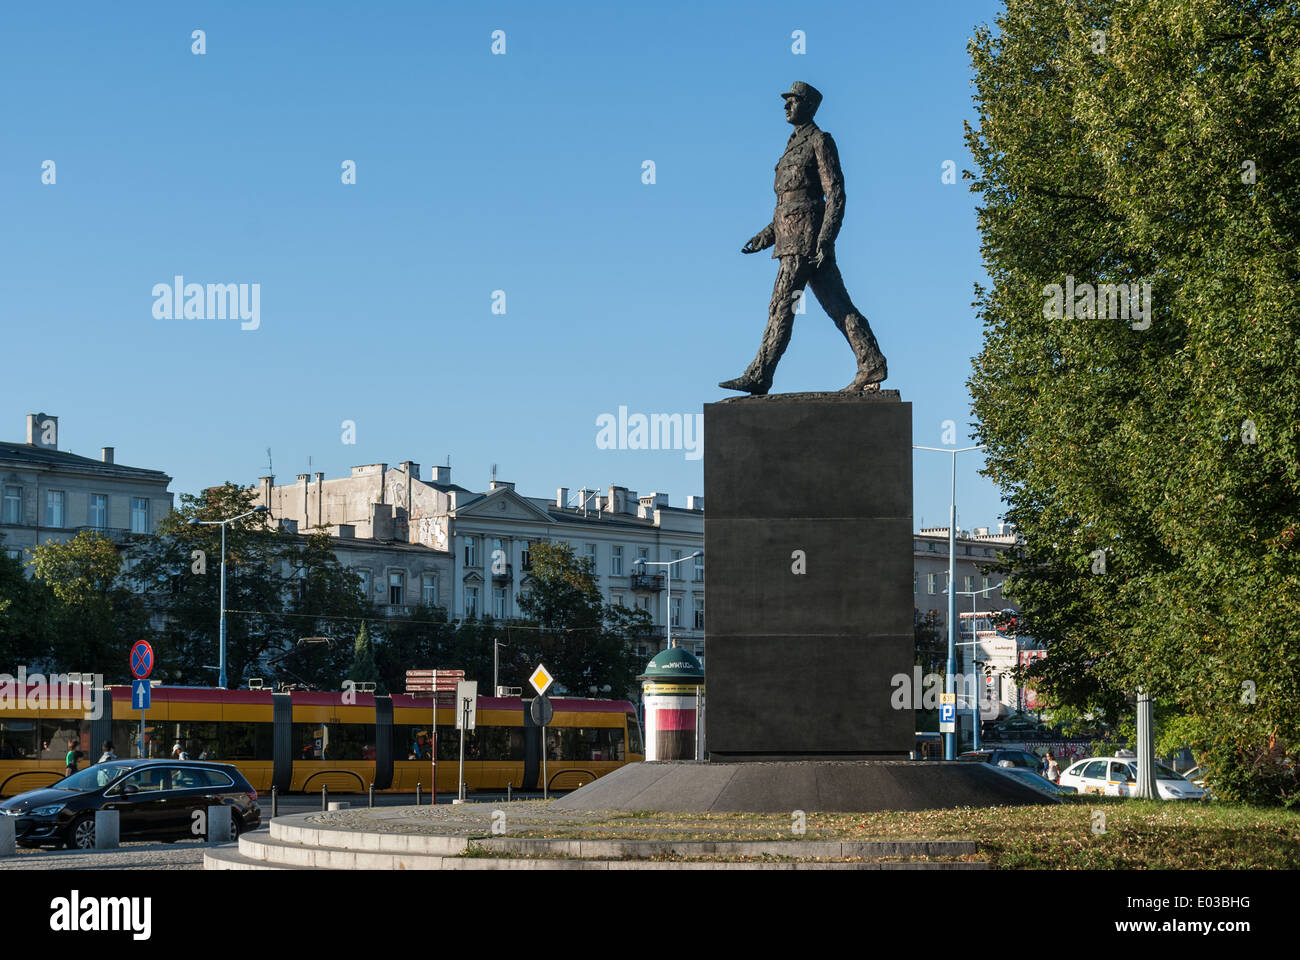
x=825, y=254
x=759, y=241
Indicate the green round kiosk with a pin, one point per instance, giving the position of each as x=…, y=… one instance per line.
x=672, y=690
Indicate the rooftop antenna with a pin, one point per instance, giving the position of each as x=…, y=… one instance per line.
x=494, y=473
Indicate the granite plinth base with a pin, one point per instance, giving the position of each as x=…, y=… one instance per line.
x=808, y=545
x=823, y=786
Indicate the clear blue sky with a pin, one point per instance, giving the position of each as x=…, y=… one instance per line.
x=475, y=173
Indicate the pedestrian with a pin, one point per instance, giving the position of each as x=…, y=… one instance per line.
x=70, y=761
x=109, y=753
x=1053, y=768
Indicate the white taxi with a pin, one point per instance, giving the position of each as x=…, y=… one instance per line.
x=1117, y=777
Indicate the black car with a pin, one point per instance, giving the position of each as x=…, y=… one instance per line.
x=155, y=800
x=998, y=755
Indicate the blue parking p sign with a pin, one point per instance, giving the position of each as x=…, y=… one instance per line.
x=947, y=713
x=140, y=694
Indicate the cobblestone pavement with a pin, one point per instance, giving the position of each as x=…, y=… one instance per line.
x=129, y=856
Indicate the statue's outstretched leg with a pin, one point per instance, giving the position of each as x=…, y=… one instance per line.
x=790, y=280
x=828, y=286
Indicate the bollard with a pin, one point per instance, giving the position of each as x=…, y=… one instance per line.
x=8, y=845
x=219, y=824
x=106, y=829
x=417, y=794
x=275, y=801
x=372, y=796
x=325, y=798
x=509, y=784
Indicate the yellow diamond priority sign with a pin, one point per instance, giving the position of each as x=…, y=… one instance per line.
x=541, y=680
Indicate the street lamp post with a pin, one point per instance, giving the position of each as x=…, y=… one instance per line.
x=496, y=663
x=950, y=685
x=221, y=629
x=974, y=673
x=668, y=610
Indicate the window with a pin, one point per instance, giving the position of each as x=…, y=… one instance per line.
x=617, y=600
x=699, y=613
x=699, y=568
x=677, y=611
x=499, y=602
x=139, y=515
x=429, y=590
x=616, y=561
x=634, y=735
x=525, y=557
x=17, y=739
x=916, y=580
x=643, y=553
x=1120, y=772
x=99, y=511
x=985, y=584
x=14, y=553
x=644, y=604
x=13, y=506
x=591, y=555
x=677, y=555
x=934, y=548
x=499, y=556
x=471, y=551
x=364, y=574
x=334, y=741
x=396, y=580
x=54, y=508
x=1095, y=770
x=471, y=603
x=930, y=582
x=970, y=583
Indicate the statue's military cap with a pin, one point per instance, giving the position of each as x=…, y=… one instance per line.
x=806, y=92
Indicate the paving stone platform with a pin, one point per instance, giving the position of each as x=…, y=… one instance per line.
x=462, y=837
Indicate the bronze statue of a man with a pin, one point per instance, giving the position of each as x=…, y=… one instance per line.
x=809, y=211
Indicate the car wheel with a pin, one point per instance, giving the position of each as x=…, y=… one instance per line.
x=81, y=833
x=235, y=827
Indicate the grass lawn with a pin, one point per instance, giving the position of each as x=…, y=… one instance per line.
x=1137, y=834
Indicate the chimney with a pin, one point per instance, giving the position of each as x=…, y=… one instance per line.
x=616, y=502
x=43, y=430
x=694, y=503
x=320, y=499
x=264, y=485
x=561, y=497
x=305, y=480
x=441, y=475
x=412, y=469
x=502, y=485
x=106, y=454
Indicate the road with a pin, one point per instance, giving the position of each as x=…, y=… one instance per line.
x=188, y=854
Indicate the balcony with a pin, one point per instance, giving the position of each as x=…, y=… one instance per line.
x=504, y=576
x=648, y=581
x=116, y=534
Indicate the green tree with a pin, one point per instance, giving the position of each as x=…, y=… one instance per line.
x=26, y=632
x=584, y=644
x=94, y=617
x=364, y=669
x=1151, y=462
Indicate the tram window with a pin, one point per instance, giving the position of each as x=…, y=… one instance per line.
x=17, y=739
x=247, y=741
x=614, y=741
x=55, y=734
x=411, y=743
x=126, y=734
x=334, y=741
x=501, y=743
x=634, y=736
x=198, y=741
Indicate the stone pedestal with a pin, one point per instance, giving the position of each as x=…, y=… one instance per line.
x=808, y=547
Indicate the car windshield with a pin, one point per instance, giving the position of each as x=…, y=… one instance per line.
x=92, y=778
x=1162, y=772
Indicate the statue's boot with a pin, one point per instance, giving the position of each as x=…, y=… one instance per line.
x=868, y=380
x=747, y=383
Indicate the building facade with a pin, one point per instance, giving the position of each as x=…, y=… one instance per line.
x=50, y=495
x=487, y=537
